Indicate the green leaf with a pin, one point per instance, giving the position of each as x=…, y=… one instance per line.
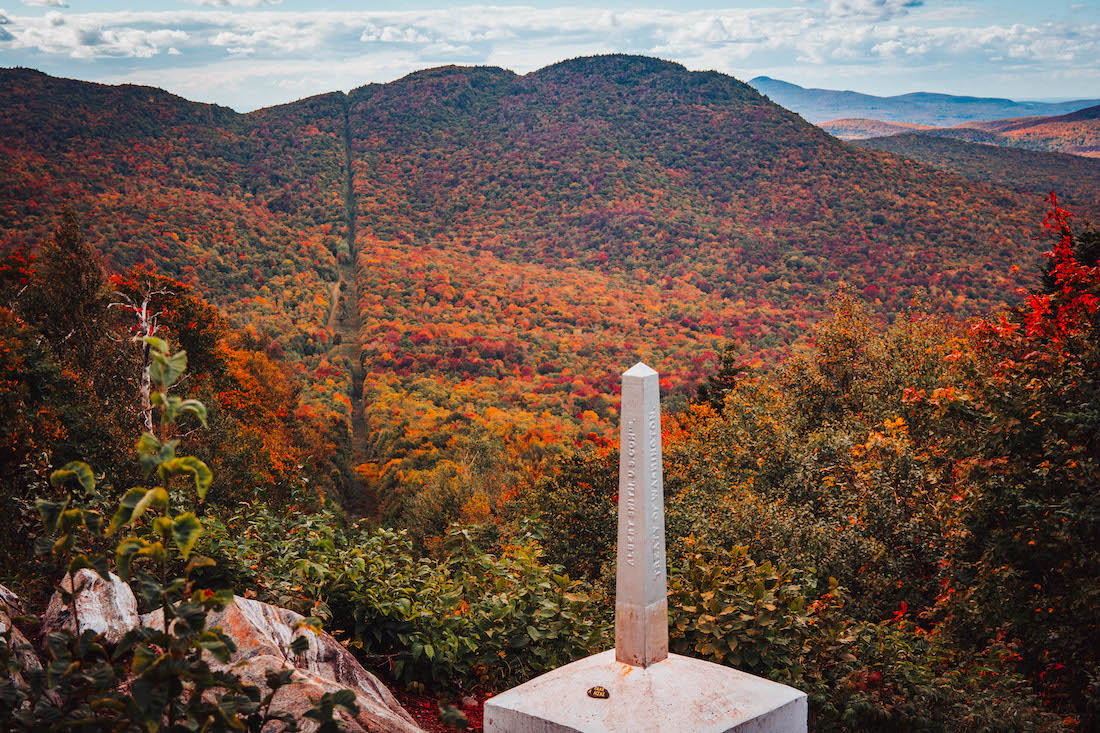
x=185, y=531
x=162, y=526
x=165, y=370
x=312, y=623
x=79, y=470
x=152, y=453
x=196, y=407
x=343, y=698
x=156, y=344
x=92, y=520
x=198, y=561
x=132, y=546
x=189, y=464
x=299, y=645
x=154, y=552
x=134, y=504
x=70, y=519
x=80, y=562
x=452, y=716
x=64, y=542
x=50, y=511
x=125, y=553
x=215, y=645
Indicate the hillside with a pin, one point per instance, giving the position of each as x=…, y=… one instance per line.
x=647, y=177
x=1077, y=132
x=856, y=128
x=241, y=207
x=919, y=108
x=541, y=230
x=1031, y=172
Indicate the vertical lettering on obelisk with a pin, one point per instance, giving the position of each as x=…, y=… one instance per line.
x=657, y=498
x=641, y=606
x=631, y=490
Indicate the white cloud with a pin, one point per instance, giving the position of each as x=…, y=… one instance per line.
x=46, y=3
x=830, y=39
x=79, y=37
x=392, y=34
x=235, y=3
x=283, y=37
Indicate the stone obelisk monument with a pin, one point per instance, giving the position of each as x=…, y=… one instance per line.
x=641, y=588
x=639, y=687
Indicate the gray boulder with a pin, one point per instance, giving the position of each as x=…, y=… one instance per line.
x=263, y=634
x=106, y=607
x=11, y=605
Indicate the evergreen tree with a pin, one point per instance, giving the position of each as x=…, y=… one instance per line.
x=713, y=391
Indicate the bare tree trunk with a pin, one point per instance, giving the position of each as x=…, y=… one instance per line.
x=146, y=326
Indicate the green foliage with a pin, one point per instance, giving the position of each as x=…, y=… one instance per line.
x=68, y=295
x=772, y=621
x=939, y=477
x=172, y=684
x=468, y=618
x=714, y=389
x=728, y=609
x=577, y=508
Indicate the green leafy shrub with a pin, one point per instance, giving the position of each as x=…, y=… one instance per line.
x=469, y=617
x=172, y=685
x=726, y=608
x=577, y=510
x=772, y=621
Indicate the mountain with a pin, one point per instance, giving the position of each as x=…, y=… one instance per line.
x=1076, y=179
x=1077, y=133
x=918, y=108
x=459, y=263
x=243, y=207
x=856, y=128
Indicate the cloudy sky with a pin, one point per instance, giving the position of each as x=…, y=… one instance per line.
x=253, y=53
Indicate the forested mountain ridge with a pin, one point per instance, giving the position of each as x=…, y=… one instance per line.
x=732, y=215
x=195, y=191
x=713, y=213
x=1076, y=133
x=1030, y=172
x=923, y=108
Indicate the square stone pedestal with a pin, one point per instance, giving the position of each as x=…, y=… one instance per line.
x=676, y=695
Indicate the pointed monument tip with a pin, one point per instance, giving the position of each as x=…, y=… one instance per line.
x=639, y=370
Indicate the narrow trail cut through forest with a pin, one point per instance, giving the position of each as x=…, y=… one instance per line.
x=344, y=319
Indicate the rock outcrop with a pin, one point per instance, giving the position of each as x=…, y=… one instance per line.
x=263, y=634
x=10, y=605
x=106, y=607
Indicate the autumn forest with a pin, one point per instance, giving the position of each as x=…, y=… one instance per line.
x=405, y=312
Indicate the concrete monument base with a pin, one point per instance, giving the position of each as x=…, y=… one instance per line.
x=676, y=695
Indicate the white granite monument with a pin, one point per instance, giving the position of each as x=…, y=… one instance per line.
x=638, y=687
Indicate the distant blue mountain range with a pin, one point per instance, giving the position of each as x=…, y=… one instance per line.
x=919, y=108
